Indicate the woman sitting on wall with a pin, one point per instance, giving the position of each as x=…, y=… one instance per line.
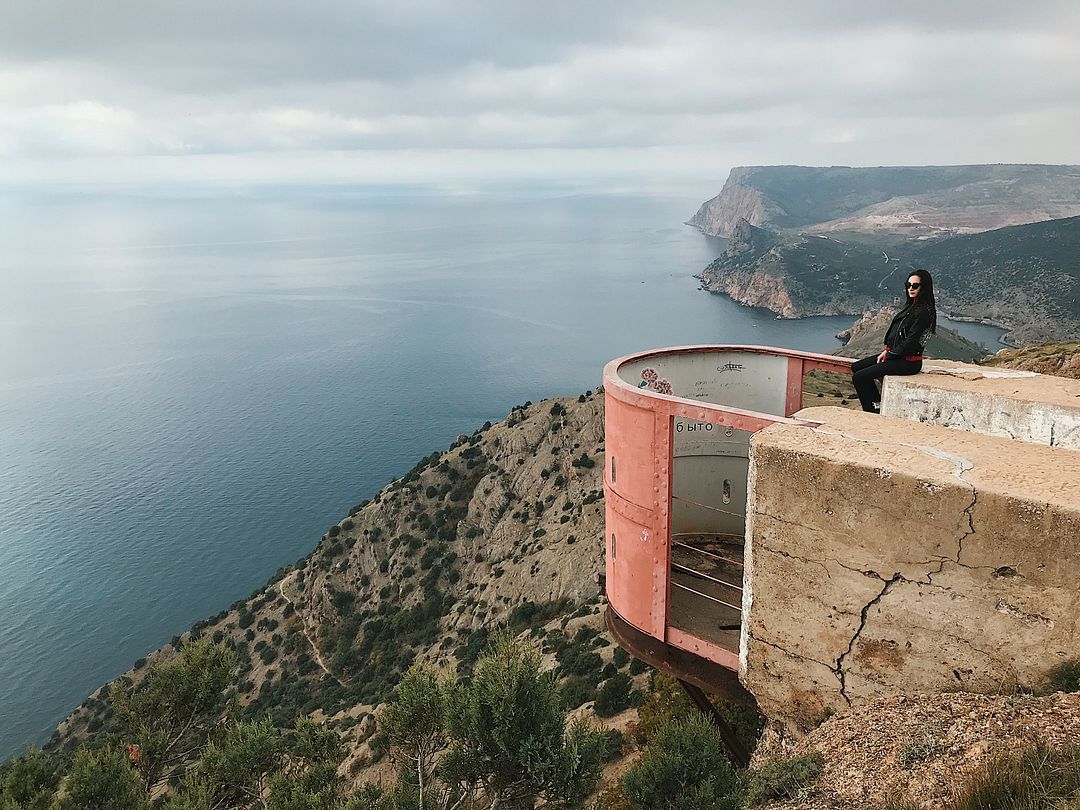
x=904, y=341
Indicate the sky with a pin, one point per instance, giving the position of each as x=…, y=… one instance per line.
x=367, y=91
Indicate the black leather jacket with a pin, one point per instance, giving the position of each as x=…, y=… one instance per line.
x=908, y=333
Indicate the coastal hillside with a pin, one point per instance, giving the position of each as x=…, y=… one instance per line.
x=1024, y=278
x=797, y=276
x=913, y=201
x=1003, y=241
x=501, y=530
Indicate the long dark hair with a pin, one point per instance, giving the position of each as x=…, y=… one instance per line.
x=925, y=298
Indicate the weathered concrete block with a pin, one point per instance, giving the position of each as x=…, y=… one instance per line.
x=887, y=556
x=998, y=402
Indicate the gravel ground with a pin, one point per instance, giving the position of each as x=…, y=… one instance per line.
x=923, y=747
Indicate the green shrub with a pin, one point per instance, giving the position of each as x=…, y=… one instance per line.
x=783, y=779
x=583, y=461
x=916, y=750
x=576, y=690
x=1065, y=677
x=30, y=780
x=685, y=767
x=620, y=657
x=614, y=696
x=334, y=531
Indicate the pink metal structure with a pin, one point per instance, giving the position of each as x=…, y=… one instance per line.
x=677, y=429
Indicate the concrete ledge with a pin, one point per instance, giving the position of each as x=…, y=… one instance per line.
x=1018, y=405
x=888, y=556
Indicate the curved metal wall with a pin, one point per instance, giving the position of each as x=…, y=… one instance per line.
x=684, y=415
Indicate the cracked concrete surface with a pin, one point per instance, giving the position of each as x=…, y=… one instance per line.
x=956, y=569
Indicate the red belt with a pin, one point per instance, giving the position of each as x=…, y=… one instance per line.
x=911, y=357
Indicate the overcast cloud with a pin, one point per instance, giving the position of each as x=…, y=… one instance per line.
x=414, y=91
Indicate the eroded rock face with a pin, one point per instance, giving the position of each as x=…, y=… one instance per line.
x=736, y=202
x=888, y=556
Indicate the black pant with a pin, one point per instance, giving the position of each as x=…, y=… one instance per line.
x=865, y=371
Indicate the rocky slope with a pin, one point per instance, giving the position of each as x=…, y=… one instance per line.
x=1058, y=359
x=1026, y=278
x=920, y=751
x=908, y=200
x=797, y=276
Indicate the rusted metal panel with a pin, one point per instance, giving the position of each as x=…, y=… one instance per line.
x=630, y=451
x=695, y=669
x=728, y=659
x=632, y=574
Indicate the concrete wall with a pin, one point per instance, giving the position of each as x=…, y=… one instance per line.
x=888, y=556
x=998, y=402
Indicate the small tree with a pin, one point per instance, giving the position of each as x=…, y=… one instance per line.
x=248, y=761
x=169, y=716
x=414, y=722
x=104, y=780
x=684, y=768
x=509, y=737
x=614, y=695
x=28, y=782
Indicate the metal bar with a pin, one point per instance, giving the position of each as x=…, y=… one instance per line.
x=686, y=570
x=706, y=506
x=679, y=585
x=737, y=563
x=736, y=535
x=740, y=757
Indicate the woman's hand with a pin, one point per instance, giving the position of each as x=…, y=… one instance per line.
x=881, y=357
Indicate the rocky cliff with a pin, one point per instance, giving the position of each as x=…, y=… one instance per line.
x=910, y=201
x=796, y=276
x=737, y=201
x=1024, y=278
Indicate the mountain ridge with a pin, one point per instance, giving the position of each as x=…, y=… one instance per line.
x=913, y=201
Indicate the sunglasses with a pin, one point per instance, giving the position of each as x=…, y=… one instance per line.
x=910, y=286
